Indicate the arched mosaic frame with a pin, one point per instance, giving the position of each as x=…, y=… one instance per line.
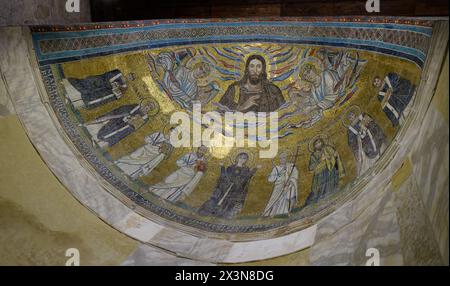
x=158, y=234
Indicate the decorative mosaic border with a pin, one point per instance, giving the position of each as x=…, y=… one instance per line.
x=145, y=23
x=388, y=36
x=410, y=39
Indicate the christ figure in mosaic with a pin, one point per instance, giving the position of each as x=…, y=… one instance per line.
x=254, y=92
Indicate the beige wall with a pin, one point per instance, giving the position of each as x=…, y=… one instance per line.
x=39, y=218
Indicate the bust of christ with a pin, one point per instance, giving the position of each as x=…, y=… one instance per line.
x=254, y=92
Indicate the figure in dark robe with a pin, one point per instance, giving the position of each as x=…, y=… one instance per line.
x=366, y=139
x=231, y=190
x=109, y=129
x=327, y=167
x=395, y=93
x=96, y=90
x=254, y=92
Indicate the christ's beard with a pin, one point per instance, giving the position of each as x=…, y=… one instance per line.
x=254, y=80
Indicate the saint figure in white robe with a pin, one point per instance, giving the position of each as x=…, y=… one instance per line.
x=323, y=88
x=142, y=161
x=284, y=194
x=183, y=181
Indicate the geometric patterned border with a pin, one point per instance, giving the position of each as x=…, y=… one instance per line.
x=389, y=36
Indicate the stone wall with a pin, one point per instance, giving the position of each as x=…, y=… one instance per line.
x=41, y=12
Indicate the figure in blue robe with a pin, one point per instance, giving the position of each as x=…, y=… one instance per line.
x=96, y=90
x=395, y=93
x=327, y=167
x=109, y=129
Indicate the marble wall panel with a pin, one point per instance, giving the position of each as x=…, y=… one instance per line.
x=418, y=243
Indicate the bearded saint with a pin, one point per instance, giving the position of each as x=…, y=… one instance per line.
x=182, y=83
x=108, y=129
x=328, y=169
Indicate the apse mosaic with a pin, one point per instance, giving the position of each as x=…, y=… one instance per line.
x=342, y=90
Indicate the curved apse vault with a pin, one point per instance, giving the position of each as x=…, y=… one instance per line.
x=348, y=83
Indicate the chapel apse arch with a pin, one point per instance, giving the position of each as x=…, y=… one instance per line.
x=340, y=105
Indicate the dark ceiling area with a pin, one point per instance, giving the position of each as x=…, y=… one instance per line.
x=127, y=10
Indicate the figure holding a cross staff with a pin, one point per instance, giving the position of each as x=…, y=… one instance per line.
x=285, y=179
